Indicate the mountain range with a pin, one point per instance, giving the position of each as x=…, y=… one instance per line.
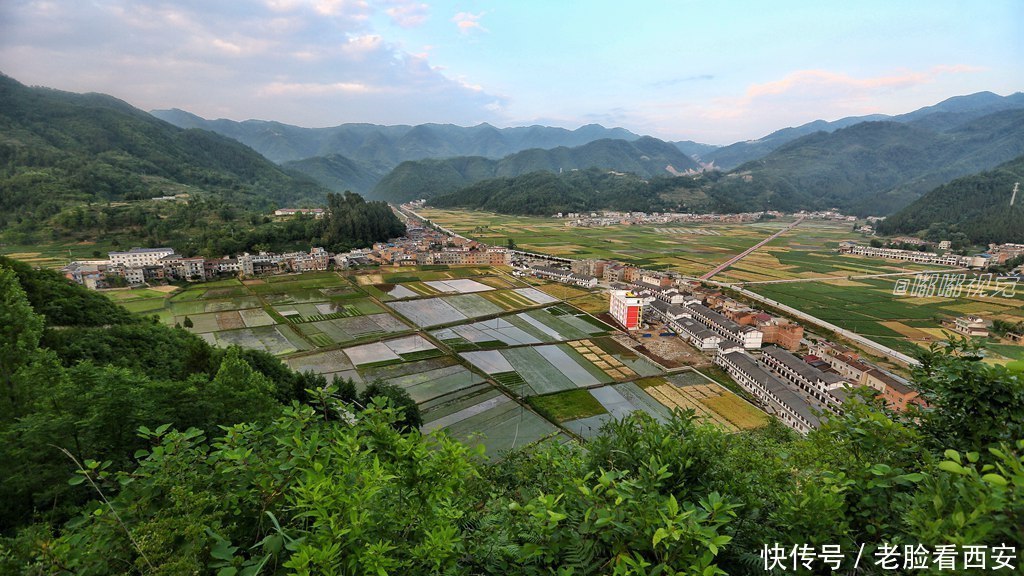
x=982, y=206
x=945, y=115
x=644, y=157
x=873, y=168
x=60, y=148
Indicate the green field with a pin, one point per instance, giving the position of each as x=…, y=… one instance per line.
x=869, y=307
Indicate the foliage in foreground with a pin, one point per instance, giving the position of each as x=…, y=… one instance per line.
x=340, y=492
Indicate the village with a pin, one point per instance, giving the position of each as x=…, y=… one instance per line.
x=798, y=377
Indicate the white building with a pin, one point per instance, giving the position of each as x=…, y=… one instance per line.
x=139, y=257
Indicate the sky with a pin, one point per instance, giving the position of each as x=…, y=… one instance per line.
x=713, y=71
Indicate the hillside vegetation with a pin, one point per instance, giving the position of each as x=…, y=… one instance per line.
x=545, y=193
x=645, y=157
x=872, y=167
x=133, y=448
x=977, y=206
x=59, y=149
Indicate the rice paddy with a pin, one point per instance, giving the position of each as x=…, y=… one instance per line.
x=490, y=359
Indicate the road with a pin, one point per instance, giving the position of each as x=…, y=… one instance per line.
x=746, y=252
x=865, y=342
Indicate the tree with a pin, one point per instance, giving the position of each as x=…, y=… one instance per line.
x=510, y=244
x=188, y=322
x=238, y=393
x=378, y=390
x=971, y=405
x=20, y=331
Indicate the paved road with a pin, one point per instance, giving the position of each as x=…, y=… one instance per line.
x=746, y=252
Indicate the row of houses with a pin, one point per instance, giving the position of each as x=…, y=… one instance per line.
x=948, y=259
x=802, y=391
x=774, y=394
x=561, y=275
x=142, y=265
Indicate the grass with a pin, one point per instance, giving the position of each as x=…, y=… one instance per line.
x=569, y=405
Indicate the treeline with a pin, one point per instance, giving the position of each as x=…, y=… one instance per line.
x=80, y=377
x=211, y=227
x=545, y=193
x=976, y=206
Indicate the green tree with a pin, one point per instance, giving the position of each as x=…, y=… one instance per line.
x=188, y=322
x=20, y=331
x=971, y=405
x=238, y=393
x=397, y=397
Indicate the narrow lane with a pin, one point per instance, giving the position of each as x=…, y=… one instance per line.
x=746, y=252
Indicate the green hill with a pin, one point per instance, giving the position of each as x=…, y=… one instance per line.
x=871, y=167
x=645, y=157
x=59, y=149
x=977, y=206
x=392, y=145
x=544, y=193
x=946, y=115
x=338, y=172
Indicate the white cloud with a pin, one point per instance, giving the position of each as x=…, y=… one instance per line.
x=307, y=62
x=407, y=13
x=468, y=22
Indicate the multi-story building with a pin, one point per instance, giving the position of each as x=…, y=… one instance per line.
x=139, y=257
x=771, y=392
x=626, y=307
x=816, y=385
x=897, y=393
x=589, y=267
x=746, y=336
x=781, y=332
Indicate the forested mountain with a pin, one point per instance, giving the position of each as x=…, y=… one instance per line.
x=645, y=157
x=544, y=193
x=945, y=115
x=694, y=149
x=134, y=448
x=338, y=172
x=872, y=167
x=388, y=146
x=977, y=206
x=59, y=148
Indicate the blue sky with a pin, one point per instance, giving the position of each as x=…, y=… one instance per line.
x=711, y=71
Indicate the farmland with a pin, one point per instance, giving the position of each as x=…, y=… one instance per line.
x=690, y=249
x=824, y=283
x=491, y=359
x=869, y=307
